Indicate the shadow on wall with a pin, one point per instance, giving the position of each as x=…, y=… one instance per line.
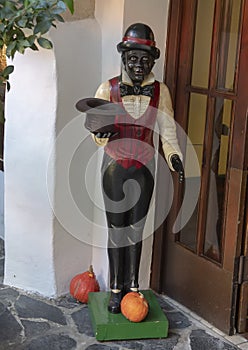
x=1, y=204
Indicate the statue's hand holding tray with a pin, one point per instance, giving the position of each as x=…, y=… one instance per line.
x=100, y=116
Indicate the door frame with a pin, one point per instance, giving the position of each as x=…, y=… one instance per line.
x=233, y=243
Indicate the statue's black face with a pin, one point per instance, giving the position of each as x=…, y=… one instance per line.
x=138, y=64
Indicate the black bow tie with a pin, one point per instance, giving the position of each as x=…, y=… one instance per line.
x=136, y=90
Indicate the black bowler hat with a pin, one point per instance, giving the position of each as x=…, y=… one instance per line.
x=100, y=114
x=139, y=36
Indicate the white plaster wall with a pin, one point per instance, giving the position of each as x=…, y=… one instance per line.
x=29, y=135
x=78, y=66
x=109, y=15
x=43, y=253
x=1, y=204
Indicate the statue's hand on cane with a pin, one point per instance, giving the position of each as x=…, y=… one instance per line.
x=178, y=166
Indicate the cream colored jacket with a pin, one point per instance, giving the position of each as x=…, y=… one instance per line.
x=136, y=106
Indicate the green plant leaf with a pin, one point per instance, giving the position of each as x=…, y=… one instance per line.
x=34, y=47
x=25, y=43
x=8, y=70
x=10, y=48
x=45, y=43
x=59, y=8
x=70, y=5
x=36, y=15
x=42, y=27
x=20, y=48
x=8, y=85
x=26, y=3
x=22, y=22
x=59, y=18
x=31, y=39
x=18, y=33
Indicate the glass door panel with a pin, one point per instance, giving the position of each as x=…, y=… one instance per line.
x=217, y=178
x=202, y=43
x=195, y=131
x=228, y=44
x=197, y=119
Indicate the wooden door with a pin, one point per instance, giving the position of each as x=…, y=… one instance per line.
x=206, y=71
x=242, y=299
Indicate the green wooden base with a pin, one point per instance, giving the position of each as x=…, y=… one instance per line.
x=109, y=326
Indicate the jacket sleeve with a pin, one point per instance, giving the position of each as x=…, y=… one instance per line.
x=167, y=126
x=102, y=92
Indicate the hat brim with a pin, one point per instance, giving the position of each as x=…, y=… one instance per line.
x=129, y=45
x=100, y=114
x=98, y=106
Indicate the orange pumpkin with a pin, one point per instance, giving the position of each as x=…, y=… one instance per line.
x=82, y=284
x=134, y=306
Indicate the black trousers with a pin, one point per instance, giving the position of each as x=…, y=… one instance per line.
x=127, y=194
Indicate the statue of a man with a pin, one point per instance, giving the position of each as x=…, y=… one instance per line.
x=129, y=155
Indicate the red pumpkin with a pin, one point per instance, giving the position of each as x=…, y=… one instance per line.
x=82, y=284
x=134, y=306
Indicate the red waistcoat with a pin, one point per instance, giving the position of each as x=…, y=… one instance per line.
x=133, y=145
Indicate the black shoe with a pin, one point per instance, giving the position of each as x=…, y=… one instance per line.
x=114, y=303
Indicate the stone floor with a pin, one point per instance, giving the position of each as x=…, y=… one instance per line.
x=30, y=322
